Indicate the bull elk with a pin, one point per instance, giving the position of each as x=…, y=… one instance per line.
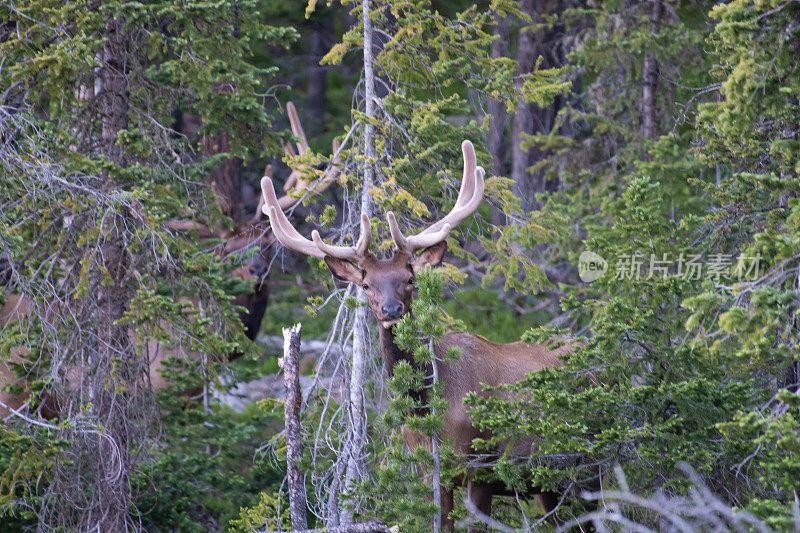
x=236, y=241
x=252, y=234
x=389, y=283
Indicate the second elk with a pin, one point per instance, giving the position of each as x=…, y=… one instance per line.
x=241, y=240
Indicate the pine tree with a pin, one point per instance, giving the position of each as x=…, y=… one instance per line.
x=749, y=326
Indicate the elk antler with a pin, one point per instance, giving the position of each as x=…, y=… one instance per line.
x=295, y=180
x=290, y=238
x=469, y=198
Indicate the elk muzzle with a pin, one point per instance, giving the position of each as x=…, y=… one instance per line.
x=392, y=310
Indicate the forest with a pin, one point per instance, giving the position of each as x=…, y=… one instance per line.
x=399, y=266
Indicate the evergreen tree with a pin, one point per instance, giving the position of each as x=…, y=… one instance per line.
x=749, y=326
x=93, y=164
x=686, y=337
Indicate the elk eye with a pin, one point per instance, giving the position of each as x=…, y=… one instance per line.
x=411, y=280
x=365, y=287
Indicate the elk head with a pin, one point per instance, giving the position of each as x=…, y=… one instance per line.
x=388, y=283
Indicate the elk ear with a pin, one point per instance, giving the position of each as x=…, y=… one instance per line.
x=429, y=256
x=344, y=269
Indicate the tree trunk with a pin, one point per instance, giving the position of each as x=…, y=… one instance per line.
x=294, y=449
x=531, y=118
x=114, y=356
x=360, y=331
x=497, y=124
x=650, y=79
x=225, y=180
x=523, y=120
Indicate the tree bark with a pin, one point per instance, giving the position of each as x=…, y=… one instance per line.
x=115, y=91
x=650, y=79
x=497, y=124
x=294, y=448
x=531, y=118
x=114, y=355
x=360, y=331
x=225, y=180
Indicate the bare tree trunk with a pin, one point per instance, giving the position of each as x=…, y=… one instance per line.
x=360, y=331
x=523, y=120
x=356, y=397
x=114, y=355
x=294, y=447
x=497, y=110
x=650, y=79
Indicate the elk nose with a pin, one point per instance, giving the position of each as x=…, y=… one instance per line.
x=258, y=268
x=392, y=310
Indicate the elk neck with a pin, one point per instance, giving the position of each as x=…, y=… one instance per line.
x=392, y=355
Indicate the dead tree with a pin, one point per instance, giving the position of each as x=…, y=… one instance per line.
x=294, y=447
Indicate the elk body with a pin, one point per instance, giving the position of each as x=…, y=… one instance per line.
x=388, y=284
x=253, y=234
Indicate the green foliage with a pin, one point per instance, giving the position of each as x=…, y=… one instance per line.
x=631, y=394
x=64, y=195
x=205, y=472
x=675, y=367
x=23, y=460
x=403, y=490
x=751, y=132
x=269, y=506
x=520, y=272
